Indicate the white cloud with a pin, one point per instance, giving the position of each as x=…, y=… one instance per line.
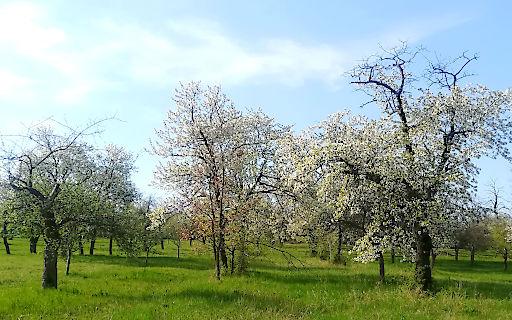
x=11, y=84
x=180, y=50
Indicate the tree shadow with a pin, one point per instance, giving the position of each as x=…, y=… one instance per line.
x=170, y=262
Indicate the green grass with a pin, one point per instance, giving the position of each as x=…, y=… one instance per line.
x=104, y=287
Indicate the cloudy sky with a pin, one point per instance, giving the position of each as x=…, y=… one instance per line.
x=83, y=60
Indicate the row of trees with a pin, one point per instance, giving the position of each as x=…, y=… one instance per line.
x=402, y=183
x=58, y=187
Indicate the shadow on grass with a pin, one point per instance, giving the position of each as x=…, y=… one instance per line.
x=170, y=262
x=475, y=289
x=466, y=266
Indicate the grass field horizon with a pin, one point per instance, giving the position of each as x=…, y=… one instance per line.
x=117, y=287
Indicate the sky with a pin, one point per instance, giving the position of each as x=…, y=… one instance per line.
x=79, y=61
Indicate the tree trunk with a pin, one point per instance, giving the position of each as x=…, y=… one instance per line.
x=179, y=247
x=456, y=253
x=4, y=237
x=81, y=246
x=216, y=258
x=50, y=265
x=232, y=252
x=52, y=239
x=33, y=244
x=91, y=248
x=68, y=260
x=339, y=258
x=392, y=255
x=162, y=245
x=473, y=254
x=147, y=256
x=433, y=256
x=313, y=242
x=190, y=241
x=505, y=258
x=381, y=266
x=110, y=243
x=423, y=273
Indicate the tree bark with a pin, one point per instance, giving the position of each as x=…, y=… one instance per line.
x=456, y=253
x=190, y=241
x=433, y=256
x=313, y=242
x=52, y=239
x=4, y=237
x=232, y=252
x=68, y=260
x=423, y=273
x=505, y=258
x=91, y=248
x=339, y=258
x=162, y=245
x=33, y=244
x=473, y=254
x=110, y=243
x=179, y=247
x=81, y=246
x=381, y=267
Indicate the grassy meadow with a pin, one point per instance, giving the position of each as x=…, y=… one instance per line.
x=117, y=287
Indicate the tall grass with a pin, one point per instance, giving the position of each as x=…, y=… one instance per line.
x=116, y=287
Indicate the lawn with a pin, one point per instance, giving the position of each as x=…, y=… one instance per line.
x=105, y=287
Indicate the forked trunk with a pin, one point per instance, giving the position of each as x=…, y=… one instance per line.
x=423, y=273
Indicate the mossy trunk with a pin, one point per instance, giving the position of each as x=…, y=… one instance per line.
x=52, y=240
x=423, y=272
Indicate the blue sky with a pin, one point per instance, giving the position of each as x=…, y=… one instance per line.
x=81, y=60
